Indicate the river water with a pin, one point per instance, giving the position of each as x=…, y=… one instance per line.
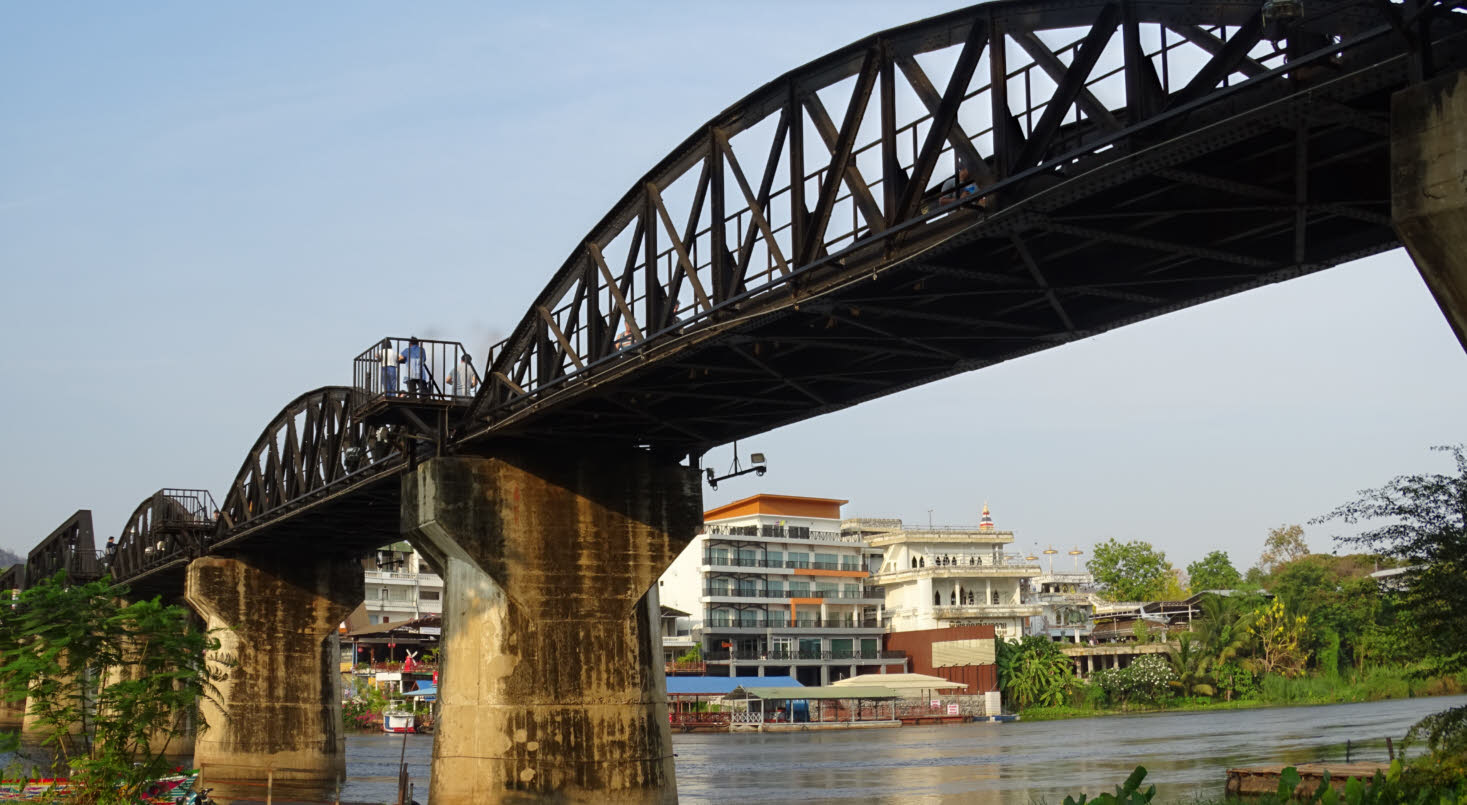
x=1185, y=754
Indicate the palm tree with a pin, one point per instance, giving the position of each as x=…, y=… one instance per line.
x=1191, y=665
x=1223, y=629
x=1034, y=672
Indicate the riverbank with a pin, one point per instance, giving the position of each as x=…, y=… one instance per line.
x=1374, y=686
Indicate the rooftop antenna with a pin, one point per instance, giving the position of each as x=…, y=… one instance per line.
x=737, y=469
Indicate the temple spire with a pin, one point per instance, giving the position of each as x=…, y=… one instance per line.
x=986, y=522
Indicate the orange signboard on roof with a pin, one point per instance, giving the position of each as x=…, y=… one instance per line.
x=778, y=505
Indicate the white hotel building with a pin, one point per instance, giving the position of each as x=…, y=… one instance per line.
x=940, y=577
x=780, y=590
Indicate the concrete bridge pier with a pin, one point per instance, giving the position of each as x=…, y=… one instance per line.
x=1429, y=188
x=277, y=705
x=551, y=686
x=12, y=714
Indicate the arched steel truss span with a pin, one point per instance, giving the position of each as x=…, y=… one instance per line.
x=797, y=254
x=312, y=456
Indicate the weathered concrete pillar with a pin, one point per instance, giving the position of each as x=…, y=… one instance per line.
x=552, y=679
x=277, y=704
x=1429, y=188
x=12, y=714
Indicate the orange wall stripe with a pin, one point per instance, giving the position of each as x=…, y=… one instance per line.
x=845, y=574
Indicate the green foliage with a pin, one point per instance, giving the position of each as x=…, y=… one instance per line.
x=1130, y=571
x=1425, y=528
x=1147, y=680
x=1444, y=733
x=1327, y=655
x=365, y=708
x=1191, y=667
x=109, y=683
x=1397, y=786
x=1129, y=793
x=693, y=654
x=1280, y=638
x=1034, y=672
x=1234, y=681
x=1282, y=545
x=1213, y=572
x=1224, y=628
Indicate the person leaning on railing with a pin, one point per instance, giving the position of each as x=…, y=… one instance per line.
x=416, y=357
x=390, y=359
x=463, y=380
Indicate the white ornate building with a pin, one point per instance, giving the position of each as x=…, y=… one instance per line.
x=950, y=576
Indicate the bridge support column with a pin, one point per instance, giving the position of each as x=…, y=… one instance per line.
x=552, y=679
x=12, y=714
x=277, y=705
x=1429, y=188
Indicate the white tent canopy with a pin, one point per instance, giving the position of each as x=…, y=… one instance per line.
x=905, y=684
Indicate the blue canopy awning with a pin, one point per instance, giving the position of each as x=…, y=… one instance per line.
x=720, y=685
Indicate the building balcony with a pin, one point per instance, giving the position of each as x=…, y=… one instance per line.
x=842, y=596
x=799, y=655
x=785, y=624
x=987, y=611
x=765, y=533
x=1009, y=568
x=736, y=565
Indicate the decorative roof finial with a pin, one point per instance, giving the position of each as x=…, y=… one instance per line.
x=986, y=522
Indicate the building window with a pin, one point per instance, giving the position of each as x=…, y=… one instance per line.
x=429, y=595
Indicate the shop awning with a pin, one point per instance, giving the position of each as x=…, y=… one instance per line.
x=849, y=692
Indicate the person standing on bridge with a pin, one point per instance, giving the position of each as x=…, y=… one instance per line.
x=417, y=368
x=111, y=550
x=464, y=379
x=390, y=360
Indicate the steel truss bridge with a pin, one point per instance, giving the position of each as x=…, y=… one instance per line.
x=1107, y=162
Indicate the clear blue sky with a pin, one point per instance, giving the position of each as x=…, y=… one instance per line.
x=206, y=210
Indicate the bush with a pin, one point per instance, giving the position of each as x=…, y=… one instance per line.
x=1143, y=681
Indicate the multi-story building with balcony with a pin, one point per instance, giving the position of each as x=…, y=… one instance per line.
x=400, y=586
x=782, y=592
x=950, y=576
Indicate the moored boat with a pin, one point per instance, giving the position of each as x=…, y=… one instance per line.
x=399, y=721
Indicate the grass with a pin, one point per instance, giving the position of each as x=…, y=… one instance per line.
x=1273, y=691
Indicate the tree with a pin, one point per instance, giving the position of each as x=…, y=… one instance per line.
x=1213, y=572
x=1131, y=571
x=110, y=683
x=1224, y=627
x=1425, y=527
x=1033, y=672
x=1281, y=637
x=1191, y=666
x=1283, y=545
